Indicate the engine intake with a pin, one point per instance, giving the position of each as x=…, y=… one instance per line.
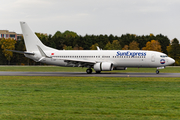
x=103, y=66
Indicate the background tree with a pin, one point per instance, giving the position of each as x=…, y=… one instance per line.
x=126, y=47
x=67, y=47
x=58, y=40
x=19, y=59
x=164, y=42
x=8, y=44
x=174, y=51
x=76, y=47
x=94, y=47
x=134, y=45
x=153, y=45
x=126, y=39
x=102, y=41
x=108, y=46
x=81, y=48
x=151, y=35
x=116, y=45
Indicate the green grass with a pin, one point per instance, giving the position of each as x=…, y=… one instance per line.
x=169, y=69
x=44, y=98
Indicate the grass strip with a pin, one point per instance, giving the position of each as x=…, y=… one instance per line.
x=55, y=98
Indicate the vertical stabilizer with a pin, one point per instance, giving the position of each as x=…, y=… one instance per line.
x=31, y=40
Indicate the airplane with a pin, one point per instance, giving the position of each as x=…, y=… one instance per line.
x=99, y=60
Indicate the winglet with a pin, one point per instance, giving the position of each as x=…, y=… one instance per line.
x=98, y=48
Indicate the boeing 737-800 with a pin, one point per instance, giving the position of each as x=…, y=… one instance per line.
x=99, y=60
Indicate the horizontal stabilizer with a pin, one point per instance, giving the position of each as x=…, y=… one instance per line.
x=21, y=52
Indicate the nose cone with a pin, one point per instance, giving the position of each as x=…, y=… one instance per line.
x=171, y=61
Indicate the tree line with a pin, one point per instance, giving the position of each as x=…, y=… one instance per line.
x=69, y=40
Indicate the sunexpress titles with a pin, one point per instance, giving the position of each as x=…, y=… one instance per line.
x=128, y=53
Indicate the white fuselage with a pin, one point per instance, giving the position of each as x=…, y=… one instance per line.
x=120, y=58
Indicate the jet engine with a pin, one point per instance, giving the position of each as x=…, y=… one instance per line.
x=103, y=66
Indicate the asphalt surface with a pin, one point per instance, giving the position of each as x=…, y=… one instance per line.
x=83, y=74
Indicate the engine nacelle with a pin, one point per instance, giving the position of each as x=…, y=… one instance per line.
x=119, y=68
x=103, y=66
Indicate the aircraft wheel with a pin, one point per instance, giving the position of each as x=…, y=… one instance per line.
x=89, y=71
x=97, y=72
x=157, y=71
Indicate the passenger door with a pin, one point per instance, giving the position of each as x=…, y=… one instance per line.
x=153, y=57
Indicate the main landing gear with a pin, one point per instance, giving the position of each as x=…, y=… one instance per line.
x=89, y=71
x=157, y=71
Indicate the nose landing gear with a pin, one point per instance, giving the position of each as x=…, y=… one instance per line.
x=157, y=71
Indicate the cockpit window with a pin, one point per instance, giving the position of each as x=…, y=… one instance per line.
x=163, y=56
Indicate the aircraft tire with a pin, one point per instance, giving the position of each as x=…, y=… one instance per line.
x=89, y=71
x=157, y=71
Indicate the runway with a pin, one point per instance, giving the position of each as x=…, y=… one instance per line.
x=83, y=74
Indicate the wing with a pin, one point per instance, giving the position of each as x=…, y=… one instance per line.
x=77, y=62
